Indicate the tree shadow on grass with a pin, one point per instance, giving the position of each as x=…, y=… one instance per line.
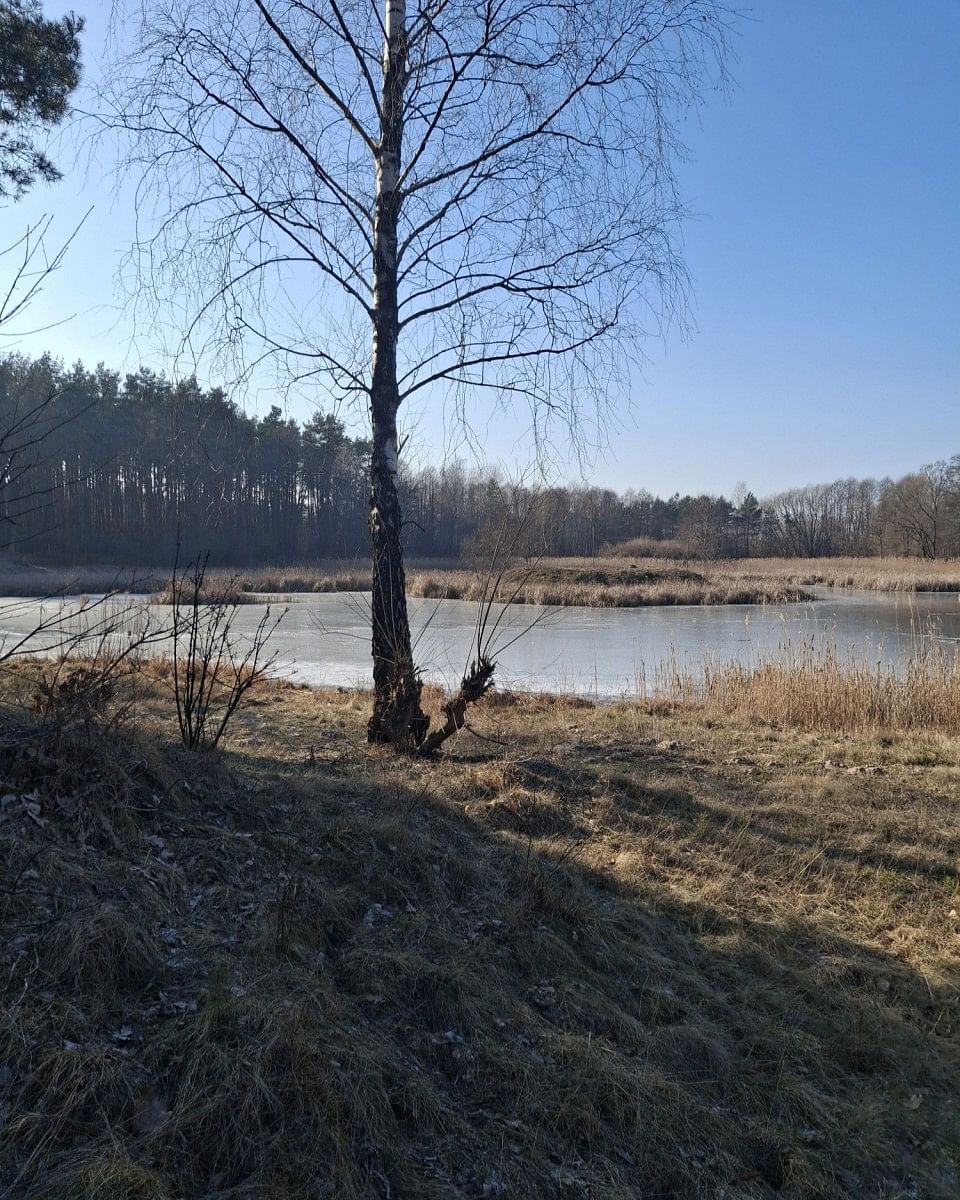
x=758, y=1038
x=384, y=979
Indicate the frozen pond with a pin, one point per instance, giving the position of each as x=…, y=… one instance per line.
x=324, y=639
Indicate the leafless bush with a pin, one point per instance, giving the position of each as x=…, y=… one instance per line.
x=97, y=649
x=492, y=634
x=82, y=693
x=212, y=668
x=69, y=750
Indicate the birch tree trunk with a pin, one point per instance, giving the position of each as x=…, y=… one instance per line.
x=523, y=204
x=397, y=715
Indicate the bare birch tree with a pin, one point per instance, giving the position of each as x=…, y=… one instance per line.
x=471, y=198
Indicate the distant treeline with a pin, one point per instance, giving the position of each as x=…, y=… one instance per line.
x=126, y=466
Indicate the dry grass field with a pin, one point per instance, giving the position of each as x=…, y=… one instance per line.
x=637, y=950
x=859, y=574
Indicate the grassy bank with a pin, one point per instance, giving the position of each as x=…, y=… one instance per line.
x=616, y=581
x=596, y=583
x=21, y=580
x=621, y=951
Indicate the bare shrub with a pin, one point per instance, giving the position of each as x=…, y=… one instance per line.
x=212, y=669
x=69, y=750
x=99, y=649
x=492, y=634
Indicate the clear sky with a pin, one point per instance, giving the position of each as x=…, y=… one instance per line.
x=825, y=254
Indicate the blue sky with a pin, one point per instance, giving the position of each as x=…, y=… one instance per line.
x=825, y=253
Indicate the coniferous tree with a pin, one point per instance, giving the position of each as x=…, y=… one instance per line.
x=39, y=70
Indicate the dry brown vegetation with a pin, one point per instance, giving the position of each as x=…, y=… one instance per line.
x=858, y=574
x=648, y=547
x=598, y=583
x=20, y=580
x=604, y=584
x=617, y=582
x=218, y=593
x=621, y=579
x=628, y=581
x=818, y=691
x=622, y=951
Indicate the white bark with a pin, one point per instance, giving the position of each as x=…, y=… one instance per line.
x=388, y=161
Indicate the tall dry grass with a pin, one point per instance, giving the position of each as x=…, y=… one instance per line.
x=597, y=583
x=633, y=579
x=648, y=547
x=594, y=583
x=859, y=574
x=19, y=580
x=819, y=691
x=596, y=953
x=626, y=576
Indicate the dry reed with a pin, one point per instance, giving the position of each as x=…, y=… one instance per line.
x=620, y=578
x=858, y=574
x=818, y=690
x=627, y=580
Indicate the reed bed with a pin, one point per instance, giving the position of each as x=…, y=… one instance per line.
x=858, y=574
x=619, y=579
x=18, y=581
x=563, y=586
x=648, y=547
x=595, y=583
x=554, y=583
x=822, y=693
x=220, y=590
x=627, y=580
x=318, y=579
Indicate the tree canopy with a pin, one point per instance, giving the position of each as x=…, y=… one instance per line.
x=39, y=70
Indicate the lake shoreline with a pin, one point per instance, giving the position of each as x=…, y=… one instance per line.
x=598, y=652
x=608, y=582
